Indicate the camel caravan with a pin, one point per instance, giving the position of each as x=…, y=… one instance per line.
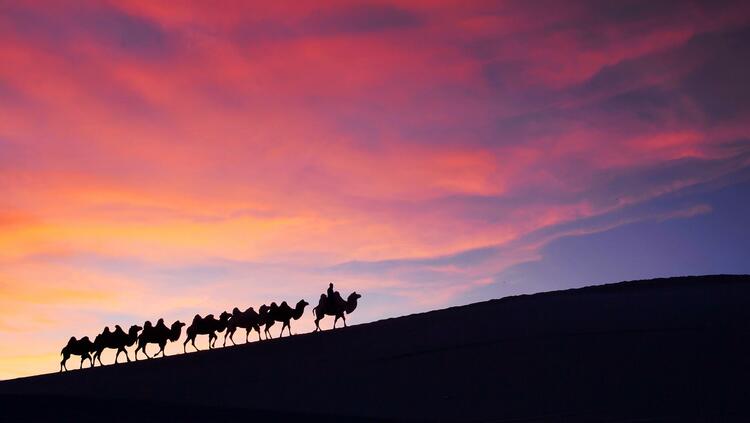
x=330, y=304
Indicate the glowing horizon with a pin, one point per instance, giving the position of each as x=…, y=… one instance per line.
x=162, y=160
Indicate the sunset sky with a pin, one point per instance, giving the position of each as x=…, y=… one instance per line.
x=161, y=159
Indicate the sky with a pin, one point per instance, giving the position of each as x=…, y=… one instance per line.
x=162, y=159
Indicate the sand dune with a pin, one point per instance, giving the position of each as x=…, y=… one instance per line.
x=674, y=349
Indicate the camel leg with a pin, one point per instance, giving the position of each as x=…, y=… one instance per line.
x=91, y=361
x=334, y=321
x=62, y=363
x=184, y=345
x=344, y=317
x=193, y=342
x=119, y=350
x=317, y=323
x=225, y=337
x=126, y=355
x=247, y=335
x=163, y=353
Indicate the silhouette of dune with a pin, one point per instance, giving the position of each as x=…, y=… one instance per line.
x=674, y=349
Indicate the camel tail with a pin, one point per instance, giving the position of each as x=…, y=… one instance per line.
x=313, y=311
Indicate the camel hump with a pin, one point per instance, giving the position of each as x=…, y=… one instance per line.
x=209, y=317
x=197, y=318
x=72, y=340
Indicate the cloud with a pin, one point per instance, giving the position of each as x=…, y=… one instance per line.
x=360, y=18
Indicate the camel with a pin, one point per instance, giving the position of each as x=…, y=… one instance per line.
x=83, y=347
x=284, y=314
x=337, y=307
x=158, y=334
x=206, y=326
x=115, y=340
x=264, y=316
x=248, y=320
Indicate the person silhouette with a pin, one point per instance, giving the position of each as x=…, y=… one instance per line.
x=330, y=295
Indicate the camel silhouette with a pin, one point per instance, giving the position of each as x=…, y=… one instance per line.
x=158, y=334
x=264, y=317
x=284, y=314
x=268, y=319
x=82, y=347
x=208, y=325
x=248, y=320
x=335, y=306
x=115, y=340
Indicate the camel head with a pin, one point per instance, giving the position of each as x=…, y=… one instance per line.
x=134, y=329
x=299, y=309
x=263, y=309
x=224, y=316
x=176, y=330
x=351, y=302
